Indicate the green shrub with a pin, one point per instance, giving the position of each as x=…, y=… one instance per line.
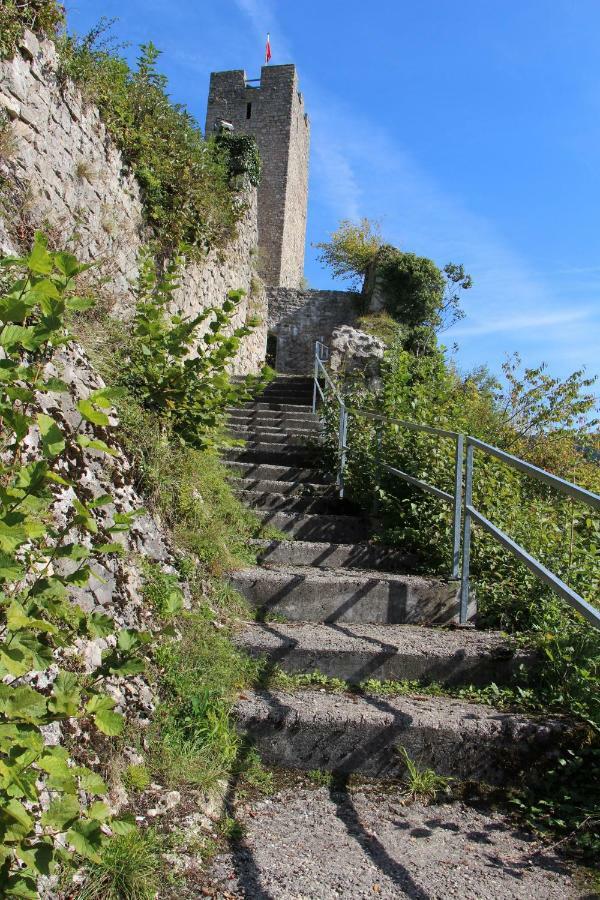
x=185, y=180
x=162, y=590
x=41, y=16
x=41, y=566
x=175, y=372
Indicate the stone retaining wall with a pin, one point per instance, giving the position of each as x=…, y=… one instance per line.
x=298, y=318
x=61, y=171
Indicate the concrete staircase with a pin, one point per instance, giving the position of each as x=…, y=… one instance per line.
x=329, y=601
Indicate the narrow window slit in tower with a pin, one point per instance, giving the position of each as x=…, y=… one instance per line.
x=248, y=110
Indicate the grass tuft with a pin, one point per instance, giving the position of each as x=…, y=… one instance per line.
x=421, y=784
x=129, y=869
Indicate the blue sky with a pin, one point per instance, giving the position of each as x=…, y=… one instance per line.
x=471, y=130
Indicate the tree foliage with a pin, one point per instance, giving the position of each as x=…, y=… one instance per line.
x=420, y=296
x=351, y=250
x=48, y=805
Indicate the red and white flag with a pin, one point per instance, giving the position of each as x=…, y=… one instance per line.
x=268, y=49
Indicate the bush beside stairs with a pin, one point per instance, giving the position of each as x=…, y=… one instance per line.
x=328, y=600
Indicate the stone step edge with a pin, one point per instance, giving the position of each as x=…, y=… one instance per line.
x=356, y=653
x=368, y=734
x=326, y=549
x=298, y=474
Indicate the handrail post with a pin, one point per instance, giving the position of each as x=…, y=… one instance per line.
x=457, y=511
x=378, y=443
x=316, y=378
x=342, y=436
x=466, y=561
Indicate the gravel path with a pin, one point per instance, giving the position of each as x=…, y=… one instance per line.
x=320, y=844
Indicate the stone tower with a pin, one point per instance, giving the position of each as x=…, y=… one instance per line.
x=272, y=110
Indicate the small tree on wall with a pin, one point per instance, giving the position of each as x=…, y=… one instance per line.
x=351, y=250
x=413, y=289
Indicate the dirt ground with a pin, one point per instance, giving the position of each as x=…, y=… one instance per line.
x=324, y=843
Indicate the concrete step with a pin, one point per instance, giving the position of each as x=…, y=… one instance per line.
x=332, y=556
x=300, y=427
x=303, y=594
x=264, y=406
x=345, y=733
x=278, y=438
x=341, y=529
x=272, y=416
x=286, y=400
x=386, y=652
x=292, y=474
x=284, y=503
x=287, y=488
x=271, y=454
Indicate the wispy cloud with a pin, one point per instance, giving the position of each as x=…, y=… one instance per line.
x=264, y=19
x=520, y=323
x=358, y=169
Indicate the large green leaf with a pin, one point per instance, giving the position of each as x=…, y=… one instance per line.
x=53, y=440
x=55, y=761
x=16, y=821
x=37, y=652
x=12, y=534
x=90, y=781
x=101, y=708
x=98, y=811
x=99, y=625
x=88, y=410
x=95, y=444
x=66, y=695
x=125, y=824
x=22, y=885
x=87, y=839
x=15, y=734
x=61, y=812
x=23, y=704
x=38, y=857
x=40, y=260
x=67, y=264
x=13, y=337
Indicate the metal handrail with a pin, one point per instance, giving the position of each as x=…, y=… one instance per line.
x=461, y=511
x=455, y=499
x=471, y=514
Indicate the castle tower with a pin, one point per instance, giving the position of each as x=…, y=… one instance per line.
x=272, y=110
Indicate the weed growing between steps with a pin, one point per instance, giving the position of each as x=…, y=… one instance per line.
x=422, y=784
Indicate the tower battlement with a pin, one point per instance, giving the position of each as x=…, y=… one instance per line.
x=272, y=110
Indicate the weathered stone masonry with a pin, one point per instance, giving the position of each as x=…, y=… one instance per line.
x=299, y=318
x=73, y=179
x=273, y=112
